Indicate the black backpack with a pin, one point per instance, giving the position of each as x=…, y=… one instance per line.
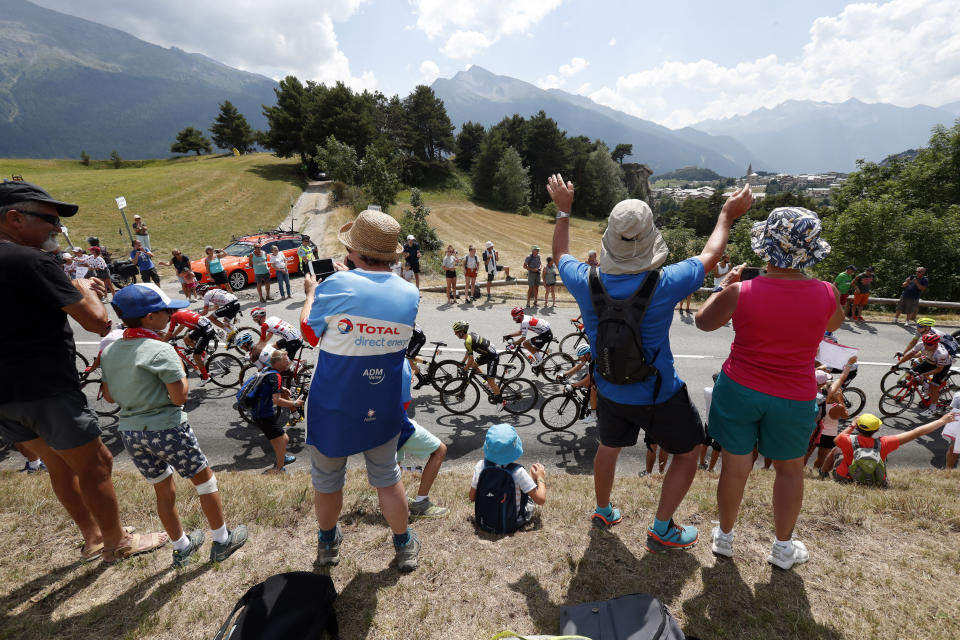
x=496, y=509
x=298, y=604
x=637, y=616
x=620, y=356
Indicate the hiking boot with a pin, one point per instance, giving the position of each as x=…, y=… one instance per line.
x=426, y=509
x=510, y=279
x=408, y=554
x=643, y=473
x=289, y=459
x=721, y=545
x=702, y=466
x=328, y=553
x=796, y=553
x=185, y=557
x=235, y=539
x=676, y=537
x=28, y=470
x=601, y=521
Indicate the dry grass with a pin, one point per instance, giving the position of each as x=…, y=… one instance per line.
x=884, y=563
x=186, y=202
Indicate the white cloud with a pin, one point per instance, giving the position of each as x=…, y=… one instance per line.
x=613, y=42
x=429, y=71
x=280, y=38
x=553, y=81
x=903, y=52
x=476, y=25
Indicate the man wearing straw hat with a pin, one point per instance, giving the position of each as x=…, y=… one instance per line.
x=631, y=250
x=362, y=319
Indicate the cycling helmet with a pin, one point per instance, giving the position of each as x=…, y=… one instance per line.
x=931, y=339
x=93, y=241
x=517, y=313
x=245, y=340
x=460, y=325
x=925, y=322
x=258, y=312
x=583, y=350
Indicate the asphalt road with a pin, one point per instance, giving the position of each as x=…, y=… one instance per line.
x=231, y=445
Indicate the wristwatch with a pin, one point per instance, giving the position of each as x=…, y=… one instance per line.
x=562, y=214
x=717, y=288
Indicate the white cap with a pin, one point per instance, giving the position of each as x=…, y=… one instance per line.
x=489, y=244
x=410, y=237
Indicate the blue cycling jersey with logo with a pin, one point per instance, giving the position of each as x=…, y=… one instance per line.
x=364, y=320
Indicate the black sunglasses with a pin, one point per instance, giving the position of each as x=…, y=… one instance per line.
x=46, y=217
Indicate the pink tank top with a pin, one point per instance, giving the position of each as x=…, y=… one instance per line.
x=779, y=325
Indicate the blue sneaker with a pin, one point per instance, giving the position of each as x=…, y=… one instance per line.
x=288, y=459
x=676, y=537
x=602, y=521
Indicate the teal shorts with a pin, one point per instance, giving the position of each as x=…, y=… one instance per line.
x=420, y=445
x=741, y=419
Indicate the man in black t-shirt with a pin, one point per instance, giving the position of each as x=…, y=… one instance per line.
x=412, y=254
x=41, y=404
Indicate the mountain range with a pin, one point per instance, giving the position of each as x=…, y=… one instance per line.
x=68, y=84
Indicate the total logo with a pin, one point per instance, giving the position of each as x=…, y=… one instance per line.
x=373, y=376
x=345, y=326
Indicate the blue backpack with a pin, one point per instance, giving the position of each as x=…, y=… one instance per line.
x=496, y=509
x=248, y=395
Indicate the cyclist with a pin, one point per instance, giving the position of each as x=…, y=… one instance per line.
x=199, y=335
x=417, y=340
x=925, y=326
x=486, y=354
x=935, y=365
x=226, y=306
x=289, y=338
x=584, y=360
x=541, y=328
x=259, y=357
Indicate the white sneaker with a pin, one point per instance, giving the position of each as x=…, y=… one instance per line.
x=721, y=545
x=796, y=553
x=590, y=419
x=204, y=381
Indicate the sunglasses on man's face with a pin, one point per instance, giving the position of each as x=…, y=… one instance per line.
x=46, y=217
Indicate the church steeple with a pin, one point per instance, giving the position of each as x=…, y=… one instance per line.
x=750, y=169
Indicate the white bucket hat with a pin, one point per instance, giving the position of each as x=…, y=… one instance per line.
x=631, y=243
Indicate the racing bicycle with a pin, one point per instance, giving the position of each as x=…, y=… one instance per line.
x=560, y=411
x=436, y=373
x=462, y=394
x=573, y=341
x=912, y=387
x=225, y=370
x=552, y=365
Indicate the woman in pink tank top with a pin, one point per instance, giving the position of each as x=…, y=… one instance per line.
x=765, y=398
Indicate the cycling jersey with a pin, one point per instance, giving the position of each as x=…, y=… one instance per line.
x=478, y=344
x=218, y=297
x=938, y=358
x=946, y=340
x=264, y=360
x=534, y=324
x=280, y=328
x=190, y=320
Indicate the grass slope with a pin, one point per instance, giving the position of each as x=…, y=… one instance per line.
x=187, y=202
x=883, y=563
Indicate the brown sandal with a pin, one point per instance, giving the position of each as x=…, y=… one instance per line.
x=139, y=543
x=94, y=552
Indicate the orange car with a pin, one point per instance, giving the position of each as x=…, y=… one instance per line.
x=236, y=264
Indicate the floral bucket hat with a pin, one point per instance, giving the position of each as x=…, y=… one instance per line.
x=789, y=238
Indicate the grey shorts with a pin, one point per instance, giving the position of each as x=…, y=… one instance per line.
x=908, y=306
x=63, y=421
x=329, y=474
x=533, y=278
x=261, y=278
x=157, y=454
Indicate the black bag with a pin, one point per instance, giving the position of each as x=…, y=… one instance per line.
x=298, y=604
x=495, y=508
x=619, y=348
x=637, y=616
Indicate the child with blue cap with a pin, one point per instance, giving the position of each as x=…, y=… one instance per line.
x=501, y=448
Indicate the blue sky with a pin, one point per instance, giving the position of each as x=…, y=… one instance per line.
x=672, y=62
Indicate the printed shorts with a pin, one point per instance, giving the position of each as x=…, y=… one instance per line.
x=157, y=454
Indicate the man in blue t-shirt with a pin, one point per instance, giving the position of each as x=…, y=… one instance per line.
x=631, y=247
x=362, y=321
x=143, y=259
x=909, y=302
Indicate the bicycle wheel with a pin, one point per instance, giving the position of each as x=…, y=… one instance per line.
x=892, y=379
x=854, y=399
x=514, y=366
x=573, y=341
x=896, y=401
x=519, y=395
x=93, y=390
x=943, y=402
x=444, y=371
x=953, y=380
x=555, y=365
x=225, y=370
x=559, y=412
x=303, y=377
x=460, y=395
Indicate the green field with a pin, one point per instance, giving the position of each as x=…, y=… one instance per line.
x=187, y=202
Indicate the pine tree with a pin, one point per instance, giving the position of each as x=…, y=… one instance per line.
x=231, y=130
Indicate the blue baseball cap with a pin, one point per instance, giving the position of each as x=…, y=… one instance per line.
x=137, y=300
x=502, y=444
